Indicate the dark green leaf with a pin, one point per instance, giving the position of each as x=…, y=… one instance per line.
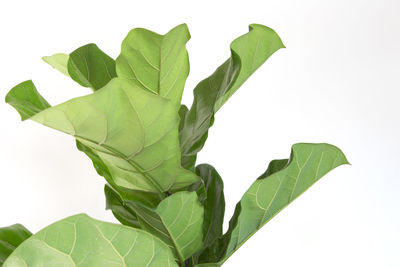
x=182, y=114
x=91, y=67
x=211, y=191
x=115, y=201
x=214, y=204
x=87, y=65
x=10, y=238
x=248, y=52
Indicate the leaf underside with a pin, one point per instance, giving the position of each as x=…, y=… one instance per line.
x=82, y=241
x=133, y=132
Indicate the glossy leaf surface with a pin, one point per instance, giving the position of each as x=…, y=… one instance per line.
x=82, y=241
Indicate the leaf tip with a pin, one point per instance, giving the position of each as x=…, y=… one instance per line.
x=268, y=31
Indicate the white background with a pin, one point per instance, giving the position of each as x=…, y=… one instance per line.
x=337, y=82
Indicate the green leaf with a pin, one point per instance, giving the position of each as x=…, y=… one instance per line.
x=147, y=198
x=87, y=65
x=157, y=63
x=82, y=241
x=119, y=211
x=132, y=131
x=211, y=193
x=248, y=52
x=115, y=201
x=26, y=100
x=10, y=238
x=91, y=67
x=214, y=204
x=59, y=62
x=182, y=114
x=177, y=221
x=283, y=182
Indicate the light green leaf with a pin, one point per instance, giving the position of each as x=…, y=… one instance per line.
x=84, y=242
x=10, y=238
x=248, y=52
x=26, y=100
x=59, y=62
x=283, y=182
x=177, y=220
x=132, y=131
x=182, y=215
x=157, y=63
x=91, y=67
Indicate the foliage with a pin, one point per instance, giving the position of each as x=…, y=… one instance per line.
x=144, y=142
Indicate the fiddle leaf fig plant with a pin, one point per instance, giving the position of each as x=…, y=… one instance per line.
x=144, y=142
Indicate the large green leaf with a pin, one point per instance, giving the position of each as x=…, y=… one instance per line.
x=283, y=181
x=28, y=102
x=132, y=131
x=87, y=65
x=10, y=238
x=177, y=220
x=82, y=241
x=157, y=63
x=248, y=52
